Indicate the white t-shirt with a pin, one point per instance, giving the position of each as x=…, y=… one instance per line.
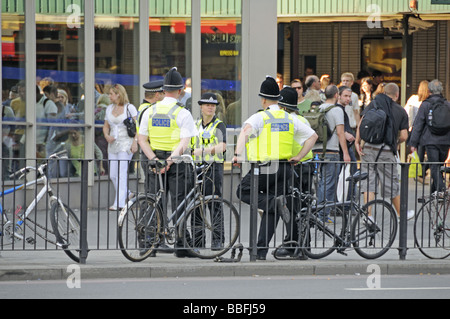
x=185, y=121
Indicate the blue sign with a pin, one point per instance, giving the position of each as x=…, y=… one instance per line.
x=161, y=122
x=280, y=127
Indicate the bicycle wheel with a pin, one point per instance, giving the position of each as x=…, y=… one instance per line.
x=66, y=227
x=210, y=228
x=374, y=229
x=432, y=229
x=140, y=228
x=319, y=238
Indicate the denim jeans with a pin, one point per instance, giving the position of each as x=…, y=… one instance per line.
x=328, y=179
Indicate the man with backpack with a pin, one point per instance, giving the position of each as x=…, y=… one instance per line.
x=378, y=151
x=431, y=129
x=329, y=148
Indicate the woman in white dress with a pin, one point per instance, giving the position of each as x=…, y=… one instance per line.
x=121, y=147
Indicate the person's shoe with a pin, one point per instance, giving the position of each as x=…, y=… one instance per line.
x=164, y=249
x=411, y=214
x=216, y=245
x=182, y=253
x=284, y=252
x=282, y=209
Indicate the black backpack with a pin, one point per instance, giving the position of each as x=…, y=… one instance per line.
x=438, y=118
x=374, y=125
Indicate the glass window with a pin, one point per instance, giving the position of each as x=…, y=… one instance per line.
x=221, y=61
x=170, y=39
x=221, y=29
x=116, y=62
x=59, y=77
x=13, y=86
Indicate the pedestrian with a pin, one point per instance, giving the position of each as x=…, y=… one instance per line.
x=413, y=104
x=269, y=136
x=209, y=146
x=303, y=104
x=385, y=173
x=365, y=97
x=436, y=145
x=121, y=146
x=330, y=151
x=352, y=109
x=345, y=98
x=165, y=131
x=412, y=108
x=312, y=84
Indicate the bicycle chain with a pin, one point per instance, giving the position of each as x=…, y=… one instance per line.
x=43, y=228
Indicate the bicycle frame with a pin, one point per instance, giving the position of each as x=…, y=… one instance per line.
x=343, y=240
x=45, y=189
x=190, y=199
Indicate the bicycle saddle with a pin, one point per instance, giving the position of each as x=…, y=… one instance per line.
x=445, y=169
x=358, y=176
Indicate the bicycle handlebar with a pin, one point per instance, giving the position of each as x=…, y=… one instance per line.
x=27, y=169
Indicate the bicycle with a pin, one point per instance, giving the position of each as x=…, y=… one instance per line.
x=207, y=225
x=370, y=228
x=432, y=224
x=65, y=225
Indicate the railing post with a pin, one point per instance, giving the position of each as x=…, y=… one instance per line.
x=84, y=212
x=403, y=232
x=253, y=211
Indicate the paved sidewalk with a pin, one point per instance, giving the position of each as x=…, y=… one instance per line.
x=53, y=265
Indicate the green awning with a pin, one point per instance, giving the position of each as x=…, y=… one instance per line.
x=233, y=8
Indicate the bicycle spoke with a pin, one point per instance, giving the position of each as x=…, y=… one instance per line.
x=374, y=229
x=431, y=229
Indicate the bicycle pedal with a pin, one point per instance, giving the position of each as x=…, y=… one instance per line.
x=342, y=253
x=30, y=240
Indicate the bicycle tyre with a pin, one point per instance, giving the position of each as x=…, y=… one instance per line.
x=66, y=227
x=139, y=228
x=373, y=238
x=431, y=229
x=319, y=238
x=198, y=233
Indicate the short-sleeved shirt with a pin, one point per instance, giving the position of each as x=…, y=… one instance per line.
x=185, y=121
x=335, y=117
x=302, y=132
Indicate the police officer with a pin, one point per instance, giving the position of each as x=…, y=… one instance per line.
x=209, y=146
x=269, y=137
x=302, y=178
x=166, y=130
x=153, y=93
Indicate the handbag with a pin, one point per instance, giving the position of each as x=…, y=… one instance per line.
x=130, y=124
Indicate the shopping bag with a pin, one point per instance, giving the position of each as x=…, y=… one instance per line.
x=342, y=188
x=415, y=169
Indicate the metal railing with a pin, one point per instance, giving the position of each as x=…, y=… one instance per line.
x=257, y=207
